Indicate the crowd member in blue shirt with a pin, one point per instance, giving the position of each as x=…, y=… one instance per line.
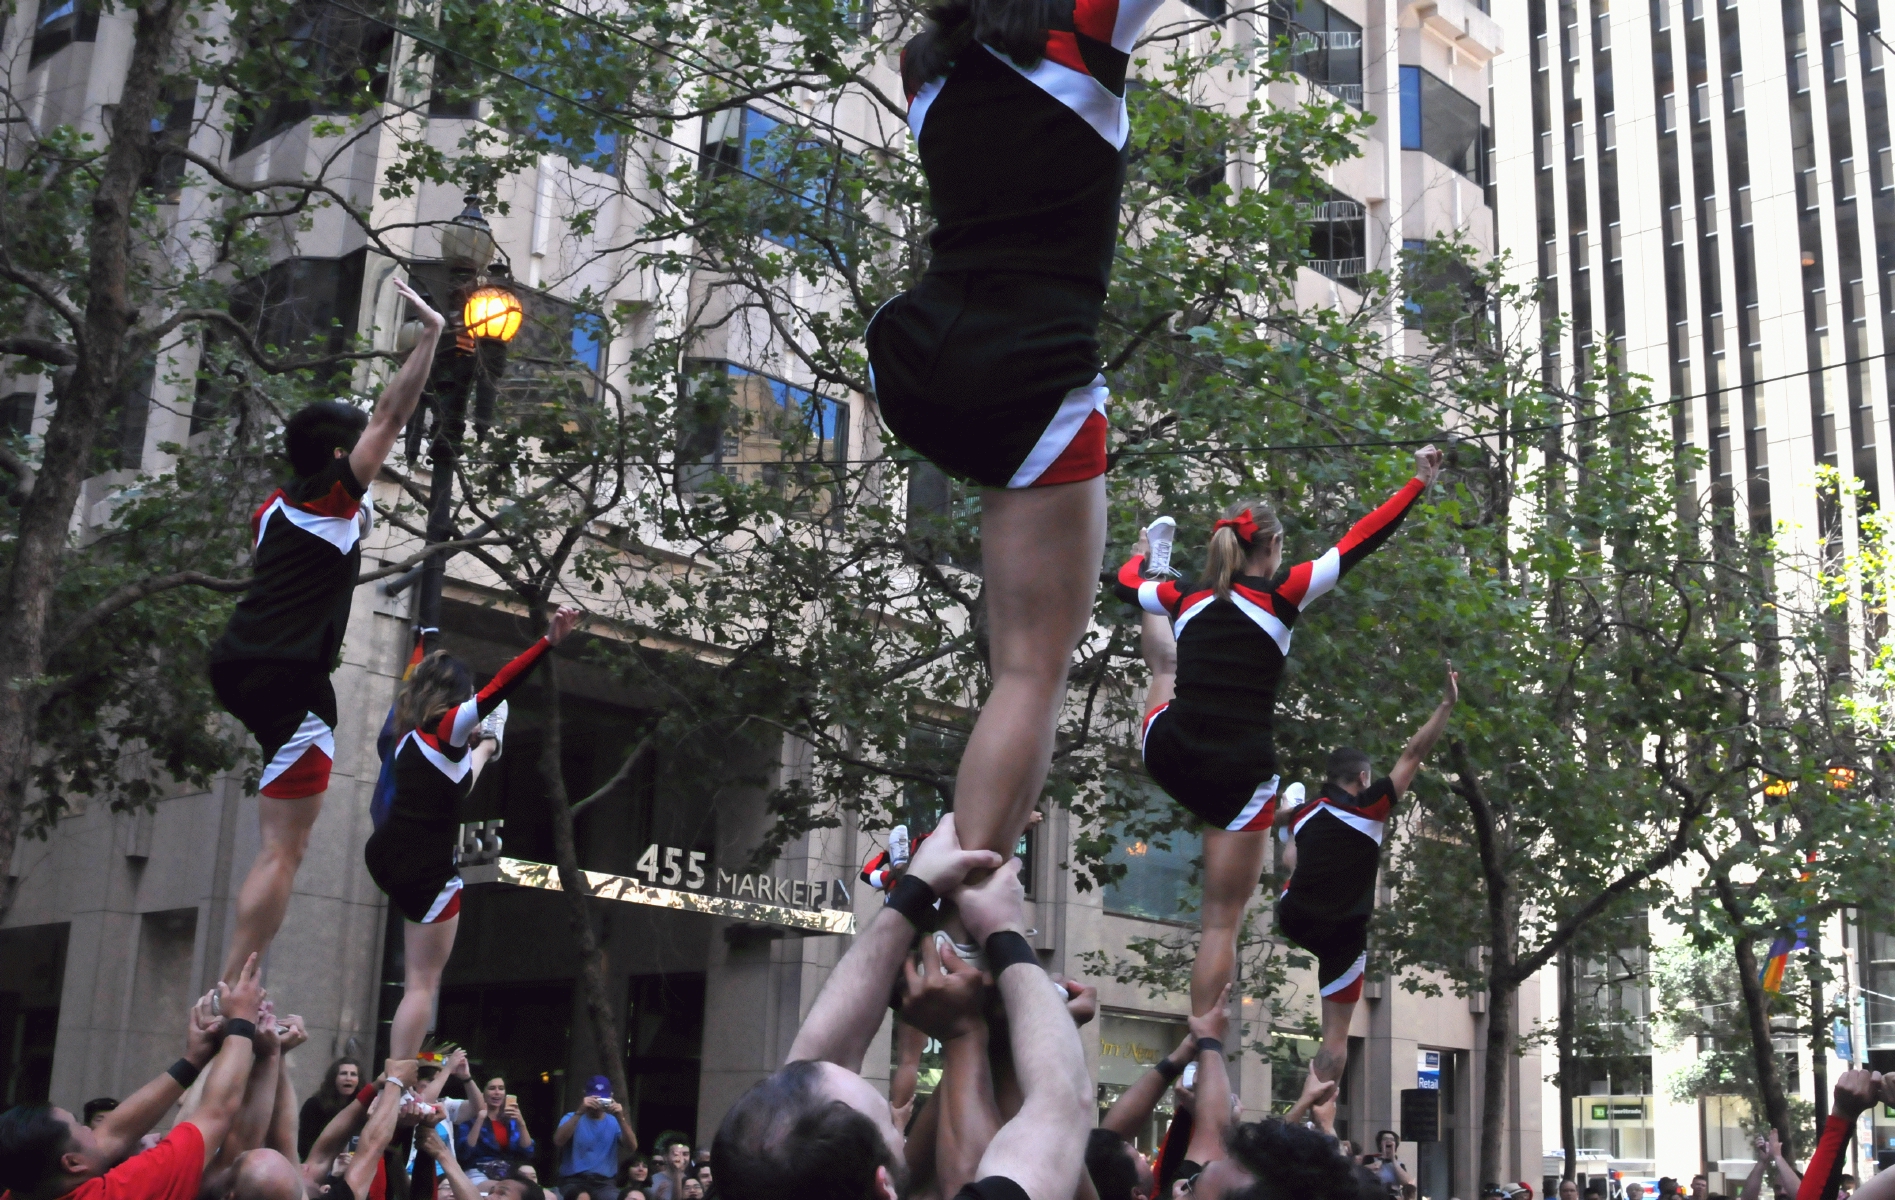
x=590, y=1142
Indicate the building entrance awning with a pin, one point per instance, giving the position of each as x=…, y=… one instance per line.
x=520, y=872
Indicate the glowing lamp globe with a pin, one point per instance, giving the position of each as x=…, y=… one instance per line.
x=1777, y=788
x=493, y=312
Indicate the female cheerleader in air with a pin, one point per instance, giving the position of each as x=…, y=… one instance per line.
x=990, y=366
x=1216, y=654
x=439, y=718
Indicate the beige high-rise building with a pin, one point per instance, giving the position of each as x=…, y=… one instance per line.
x=1704, y=190
x=121, y=918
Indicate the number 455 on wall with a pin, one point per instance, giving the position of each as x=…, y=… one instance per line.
x=675, y=866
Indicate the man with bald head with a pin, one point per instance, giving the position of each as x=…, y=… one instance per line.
x=264, y=1174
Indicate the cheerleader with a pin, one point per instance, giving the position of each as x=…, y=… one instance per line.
x=990, y=366
x=448, y=732
x=1217, y=654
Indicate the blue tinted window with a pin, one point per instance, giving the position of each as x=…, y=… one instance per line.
x=1411, y=108
x=588, y=341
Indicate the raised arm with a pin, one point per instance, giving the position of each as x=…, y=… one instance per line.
x=443, y=1155
x=399, y=398
x=1134, y=1106
x=283, y=1119
x=1308, y=581
x=382, y=1115
x=1213, y=1082
x=119, y=1132
x=848, y=1010
x=1043, y=1147
x=224, y=1082
x=251, y=1124
x=459, y=723
x=1416, y=752
x=943, y=998
x=1856, y=1092
x=1317, y=1092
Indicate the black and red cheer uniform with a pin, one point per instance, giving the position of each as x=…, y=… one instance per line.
x=411, y=854
x=990, y=367
x=270, y=667
x=1326, y=906
x=1212, y=747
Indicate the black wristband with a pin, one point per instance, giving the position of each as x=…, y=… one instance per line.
x=1210, y=1044
x=238, y=1027
x=1169, y=1069
x=914, y=899
x=1006, y=948
x=184, y=1071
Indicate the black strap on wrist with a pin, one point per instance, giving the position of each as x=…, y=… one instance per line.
x=1210, y=1045
x=1169, y=1069
x=184, y=1071
x=1006, y=948
x=238, y=1027
x=914, y=899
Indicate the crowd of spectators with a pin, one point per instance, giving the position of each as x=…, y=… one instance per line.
x=1012, y=1116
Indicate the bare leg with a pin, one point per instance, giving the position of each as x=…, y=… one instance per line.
x=427, y=951
x=1160, y=647
x=1232, y=864
x=265, y=895
x=1334, y=1055
x=1041, y=549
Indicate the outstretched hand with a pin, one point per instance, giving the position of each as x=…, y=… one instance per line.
x=1856, y=1091
x=940, y=862
x=1214, y=1023
x=1428, y=462
x=239, y=1001
x=562, y=624
x=943, y=994
x=995, y=903
x=1452, y=692
x=431, y=320
x=206, y=1029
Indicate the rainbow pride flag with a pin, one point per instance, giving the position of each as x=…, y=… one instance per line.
x=1779, y=959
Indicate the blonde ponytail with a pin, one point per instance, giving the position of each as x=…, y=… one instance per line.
x=1224, y=559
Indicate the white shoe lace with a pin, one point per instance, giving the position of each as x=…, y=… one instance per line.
x=1160, y=533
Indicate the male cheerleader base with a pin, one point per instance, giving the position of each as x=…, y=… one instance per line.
x=1326, y=905
x=990, y=366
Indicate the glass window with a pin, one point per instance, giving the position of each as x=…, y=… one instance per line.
x=308, y=305
x=61, y=23
x=332, y=61
x=800, y=176
x=1442, y=123
x=781, y=432
x=1338, y=237
x=1160, y=868
x=1325, y=47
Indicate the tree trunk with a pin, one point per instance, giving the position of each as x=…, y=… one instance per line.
x=1568, y=1006
x=1818, y=1034
x=594, y=968
x=1763, y=1051
x=1502, y=997
x=79, y=409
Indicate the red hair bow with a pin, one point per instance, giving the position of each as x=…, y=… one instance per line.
x=1243, y=523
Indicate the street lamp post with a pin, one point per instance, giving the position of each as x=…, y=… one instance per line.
x=485, y=316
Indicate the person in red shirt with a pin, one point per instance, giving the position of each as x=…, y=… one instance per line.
x=48, y=1154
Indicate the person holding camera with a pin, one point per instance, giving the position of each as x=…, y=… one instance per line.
x=1389, y=1169
x=590, y=1142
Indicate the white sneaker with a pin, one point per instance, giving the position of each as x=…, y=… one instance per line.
x=1160, y=533
x=494, y=725
x=1292, y=796
x=898, y=847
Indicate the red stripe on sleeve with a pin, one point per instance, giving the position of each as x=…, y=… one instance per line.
x=1097, y=19
x=510, y=676
x=1063, y=48
x=1133, y=572
x=1382, y=520
x=1824, y=1175
x=1296, y=586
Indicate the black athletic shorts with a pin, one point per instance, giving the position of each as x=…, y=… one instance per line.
x=413, y=864
x=1219, y=770
x=290, y=708
x=994, y=1187
x=994, y=376
x=1340, y=944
